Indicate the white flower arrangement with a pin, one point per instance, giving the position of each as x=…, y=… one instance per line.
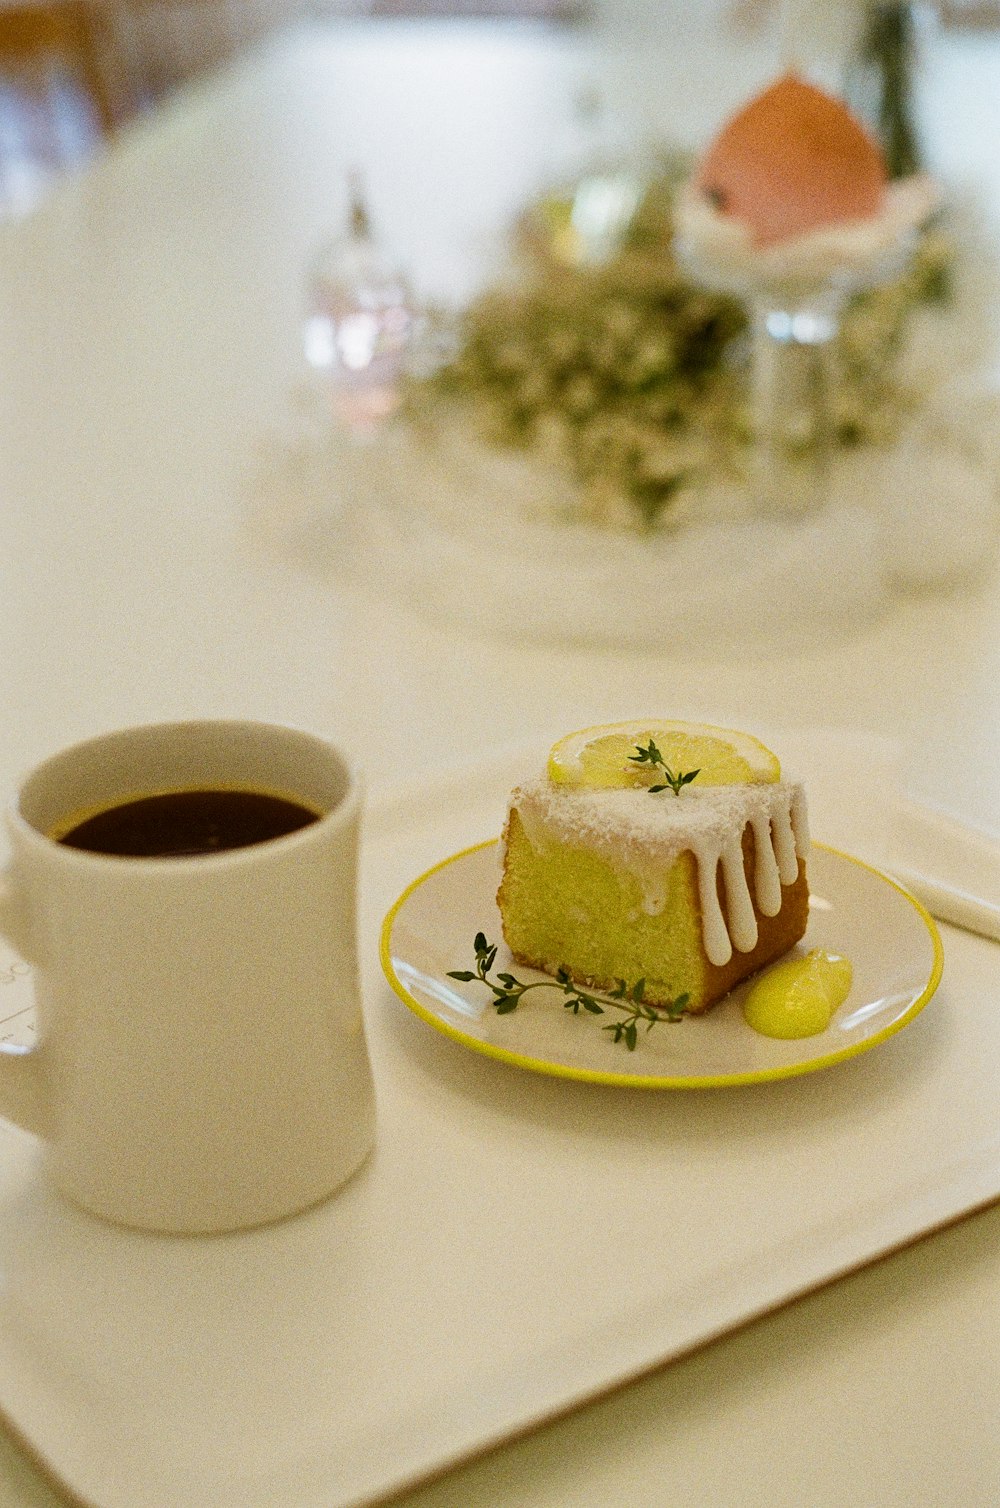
x=630, y=378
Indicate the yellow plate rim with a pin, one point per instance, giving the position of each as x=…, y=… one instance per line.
x=646, y=1081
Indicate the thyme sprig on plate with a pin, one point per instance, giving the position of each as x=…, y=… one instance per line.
x=650, y=755
x=508, y=992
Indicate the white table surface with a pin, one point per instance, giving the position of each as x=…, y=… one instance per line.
x=149, y=351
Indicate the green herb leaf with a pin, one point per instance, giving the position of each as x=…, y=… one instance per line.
x=508, y=992
x=650, y=755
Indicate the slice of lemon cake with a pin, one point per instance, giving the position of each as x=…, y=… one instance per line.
x=668, y=852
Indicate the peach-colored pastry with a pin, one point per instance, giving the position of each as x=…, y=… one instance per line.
x=792, y=161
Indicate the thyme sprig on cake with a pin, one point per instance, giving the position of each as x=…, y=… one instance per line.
x=650, y=755
x=508, y=992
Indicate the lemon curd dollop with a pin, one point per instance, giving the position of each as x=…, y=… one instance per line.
x=797, y=997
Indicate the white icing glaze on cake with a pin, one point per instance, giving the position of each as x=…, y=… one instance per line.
x=642, y=834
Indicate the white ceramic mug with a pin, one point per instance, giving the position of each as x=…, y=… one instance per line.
x=201, y=1061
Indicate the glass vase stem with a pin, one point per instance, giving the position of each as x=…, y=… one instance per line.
x=793, y=404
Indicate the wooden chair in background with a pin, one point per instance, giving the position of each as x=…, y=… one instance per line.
x=55, y=105
x=71, y=71
x=162, y=44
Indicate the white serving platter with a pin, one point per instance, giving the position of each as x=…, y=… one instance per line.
x=471, y=1281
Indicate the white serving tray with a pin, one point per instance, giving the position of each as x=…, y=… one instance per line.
x=516, y=1245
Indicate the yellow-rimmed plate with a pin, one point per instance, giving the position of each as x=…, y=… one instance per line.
x=892, y=942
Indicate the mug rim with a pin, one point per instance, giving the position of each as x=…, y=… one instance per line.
x=338, y=816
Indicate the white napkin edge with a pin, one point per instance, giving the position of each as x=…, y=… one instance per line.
x=858, y=803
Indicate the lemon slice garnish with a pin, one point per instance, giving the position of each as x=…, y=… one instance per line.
x=603, y=758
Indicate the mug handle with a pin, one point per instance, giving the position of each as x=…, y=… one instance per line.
x=21, y=1098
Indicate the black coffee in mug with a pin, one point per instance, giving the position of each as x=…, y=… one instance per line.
x=182, y=824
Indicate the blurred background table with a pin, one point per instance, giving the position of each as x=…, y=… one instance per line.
x=150, y=350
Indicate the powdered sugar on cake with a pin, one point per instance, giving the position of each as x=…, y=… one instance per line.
x=642, y=834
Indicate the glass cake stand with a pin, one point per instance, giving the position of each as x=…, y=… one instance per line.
x=796, y=294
